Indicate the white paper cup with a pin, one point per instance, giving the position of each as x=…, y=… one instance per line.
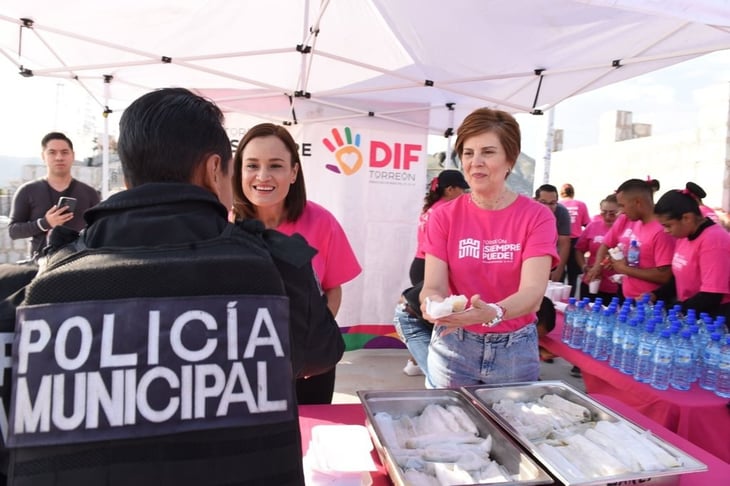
x=566, y=292
x=593, y=286
x=616, y=253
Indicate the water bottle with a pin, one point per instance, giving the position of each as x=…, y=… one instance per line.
x=720, y=325
x=683, y=370
x=589, y=338
x=662, y=361
x=604, y=334
x=632, y=257
x=579, y=322
x=645, y=353
x=617, y=340
x=628, y=349
x=568, y=317
x=722, y=387
x=710, y=361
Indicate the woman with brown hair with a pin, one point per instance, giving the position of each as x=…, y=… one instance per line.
x=268, y=184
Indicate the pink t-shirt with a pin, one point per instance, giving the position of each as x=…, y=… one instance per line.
x=701, y=265
x=422, y=220
x=656, y=249
x=590, y=240
x=484, y=249
x=579, y=216
x=335, y=262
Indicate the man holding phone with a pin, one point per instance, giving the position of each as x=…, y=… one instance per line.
x=55, y=200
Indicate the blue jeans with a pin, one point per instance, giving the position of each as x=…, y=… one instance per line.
x=415, y=333
x=464, y=358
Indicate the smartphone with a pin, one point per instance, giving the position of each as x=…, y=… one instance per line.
x=69, y=202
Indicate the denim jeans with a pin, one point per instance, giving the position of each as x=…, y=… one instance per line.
x=464, y=358
x=415, y=333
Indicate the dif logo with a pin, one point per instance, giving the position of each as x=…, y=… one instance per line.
x=349, y=154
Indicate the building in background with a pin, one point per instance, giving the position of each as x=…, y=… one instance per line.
x=629, y=150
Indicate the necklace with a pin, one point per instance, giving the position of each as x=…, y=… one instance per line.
x=495, y=204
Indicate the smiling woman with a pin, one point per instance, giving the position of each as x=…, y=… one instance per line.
x=268, y=184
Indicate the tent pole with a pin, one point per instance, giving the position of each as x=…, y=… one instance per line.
x=549, y=136
x=105, y=142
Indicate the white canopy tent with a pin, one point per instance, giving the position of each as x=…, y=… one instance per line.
x=421, y=64
x=298, y=61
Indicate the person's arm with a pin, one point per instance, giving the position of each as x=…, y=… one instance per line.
x=435, y=282
x=334, y=299
x=666, y=292
x=659, y=275
x=594, y=272
x=22, y=224
x=563, y=252
x=533, y=282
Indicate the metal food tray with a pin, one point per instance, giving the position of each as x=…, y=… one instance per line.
x=412, y=402
x=484, y=397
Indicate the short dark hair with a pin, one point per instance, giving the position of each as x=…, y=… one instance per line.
x=645, y=188
x=546, y=314
x=295, y=200
x=56, y=136
x=546, y=188
x=567, y=190
x=165, y=134
x=673, y=204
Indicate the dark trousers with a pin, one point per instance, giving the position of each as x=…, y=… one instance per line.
x=573, y=270
x=317, y=389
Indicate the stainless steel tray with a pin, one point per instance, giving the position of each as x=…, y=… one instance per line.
x=412, y=402
x=485, y=397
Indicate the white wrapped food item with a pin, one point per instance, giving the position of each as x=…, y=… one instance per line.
x=603, y=462
x=616, y=448
x=451, y=304
x=422, y=441
x=462, y=418
x=552, y=454
x=577, y=413
x=493, y=473
x=418, y=478
x=452, y=474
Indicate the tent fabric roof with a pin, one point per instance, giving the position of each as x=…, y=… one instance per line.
x=425, y=63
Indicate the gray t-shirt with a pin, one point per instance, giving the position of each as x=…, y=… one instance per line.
x=562, y=217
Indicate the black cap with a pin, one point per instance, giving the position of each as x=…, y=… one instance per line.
x=450, y=177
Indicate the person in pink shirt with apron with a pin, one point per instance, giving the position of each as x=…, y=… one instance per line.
x=268, y=184
x=496, y=248
x=700, y=270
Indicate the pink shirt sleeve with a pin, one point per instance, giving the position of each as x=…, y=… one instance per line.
x=335, y=262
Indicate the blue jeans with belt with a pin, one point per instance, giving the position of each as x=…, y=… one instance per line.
x=416, y=333
x=464, y=358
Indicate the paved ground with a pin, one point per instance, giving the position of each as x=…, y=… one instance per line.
x=382, y=369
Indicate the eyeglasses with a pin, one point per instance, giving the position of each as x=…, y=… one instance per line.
x=548, y=203
x=609, y=213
